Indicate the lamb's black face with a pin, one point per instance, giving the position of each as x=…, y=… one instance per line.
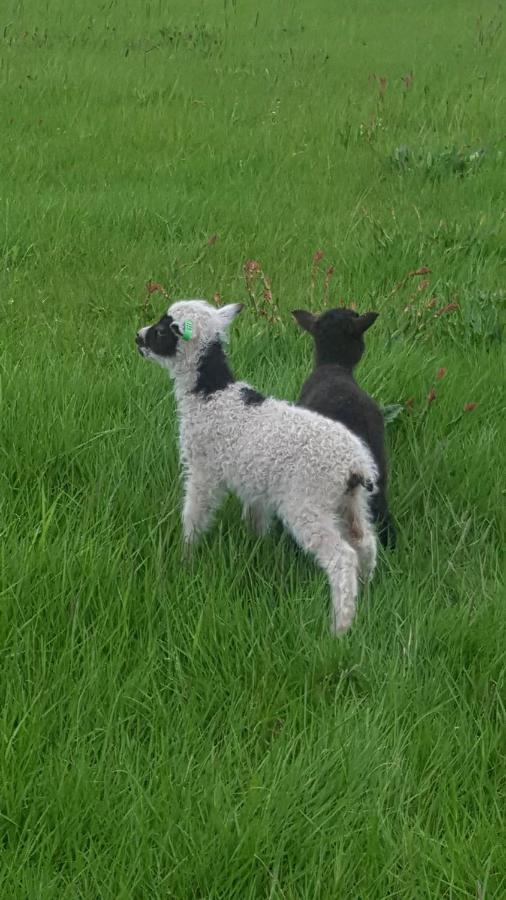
x=159, y=340
x=337, y=333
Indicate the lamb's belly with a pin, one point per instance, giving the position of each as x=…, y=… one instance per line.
x=249, y=483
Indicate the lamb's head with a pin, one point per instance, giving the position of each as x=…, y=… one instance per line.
x=178, y=340
x=337, y=333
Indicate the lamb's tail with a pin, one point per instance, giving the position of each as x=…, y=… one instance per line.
x=359, y=478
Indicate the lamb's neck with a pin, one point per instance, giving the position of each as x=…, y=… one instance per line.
x=211, y=375
x=184, y=392
x=343, y=369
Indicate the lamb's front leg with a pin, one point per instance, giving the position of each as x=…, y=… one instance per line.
x=202, y=499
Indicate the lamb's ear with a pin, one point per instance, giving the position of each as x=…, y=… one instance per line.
x=364, y=322
x=305, y=319
x=227, y=314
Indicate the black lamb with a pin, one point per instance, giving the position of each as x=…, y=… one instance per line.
x=332, y=391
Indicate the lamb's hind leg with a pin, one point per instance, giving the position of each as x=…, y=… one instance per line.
x=318, y=533
x=366, y=549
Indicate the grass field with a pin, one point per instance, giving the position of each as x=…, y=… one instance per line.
x=193, y=731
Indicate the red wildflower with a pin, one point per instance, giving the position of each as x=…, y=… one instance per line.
x=468, y=407
x=383, y=82
x=217, y=299
x=441, y=374
x=318, y=256
x=450, y=307
x=423, y=270
x=153, y=286
x=431, y=396
x=410, y=403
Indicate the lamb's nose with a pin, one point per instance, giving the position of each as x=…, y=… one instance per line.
x=139, y=340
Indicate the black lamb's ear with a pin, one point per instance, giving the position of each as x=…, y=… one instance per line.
x=305, y=319
x=364, y=322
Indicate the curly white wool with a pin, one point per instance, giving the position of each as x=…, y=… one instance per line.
x=279, y=459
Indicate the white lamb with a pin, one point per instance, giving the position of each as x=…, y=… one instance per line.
x=279, y=459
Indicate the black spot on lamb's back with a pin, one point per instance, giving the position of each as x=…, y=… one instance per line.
x=213, y=371
x=250, y=397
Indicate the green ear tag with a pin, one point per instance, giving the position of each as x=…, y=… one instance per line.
x=187, y=330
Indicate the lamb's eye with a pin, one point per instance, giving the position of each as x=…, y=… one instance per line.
x=175, y=328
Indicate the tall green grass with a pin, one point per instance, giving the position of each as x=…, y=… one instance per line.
x=192, y=731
